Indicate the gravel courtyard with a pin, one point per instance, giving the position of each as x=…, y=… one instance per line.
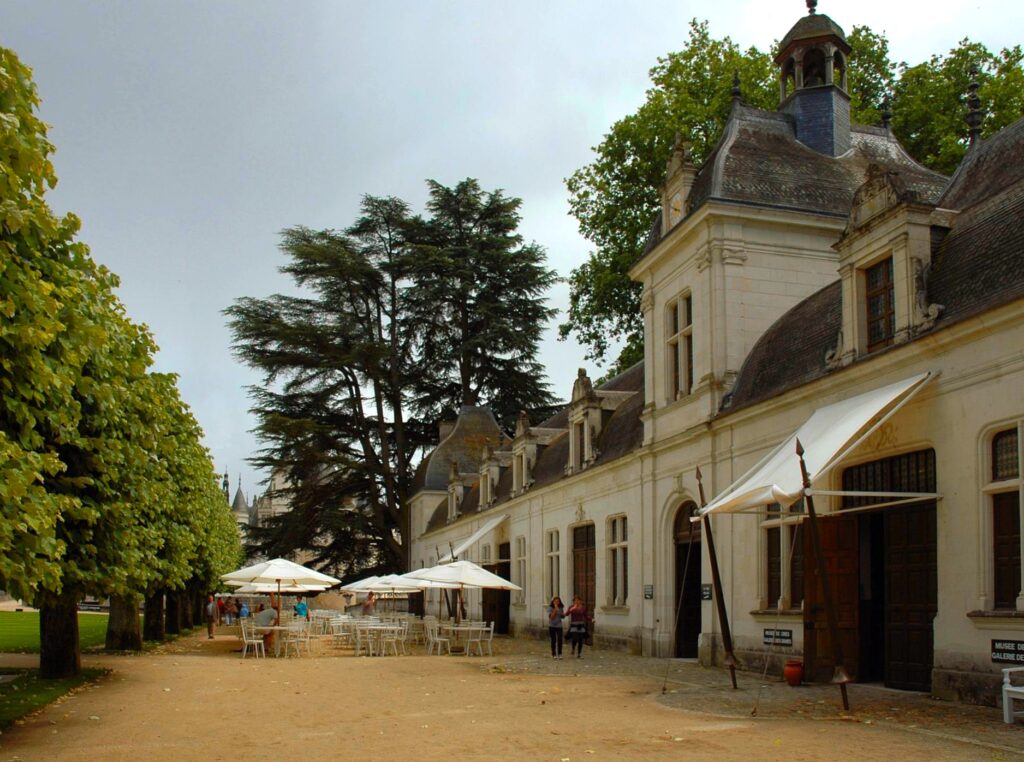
x=196, y=699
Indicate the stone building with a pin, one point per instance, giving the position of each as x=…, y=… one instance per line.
x=809, y=277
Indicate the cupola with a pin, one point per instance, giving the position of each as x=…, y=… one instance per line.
x=812, y=63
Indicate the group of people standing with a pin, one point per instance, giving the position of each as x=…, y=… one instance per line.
x=577, y=615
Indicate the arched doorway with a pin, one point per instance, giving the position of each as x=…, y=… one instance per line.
x=687, y=588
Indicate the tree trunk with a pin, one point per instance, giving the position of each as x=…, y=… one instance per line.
x=59, y=656
x=173, y=623
x=124, y=629
x=186, y=609
x=153, y=617
x=197, y=601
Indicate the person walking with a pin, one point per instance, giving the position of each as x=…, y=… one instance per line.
x=369, y=604
x=211, y=614
x=577, y=625
x=556, y=612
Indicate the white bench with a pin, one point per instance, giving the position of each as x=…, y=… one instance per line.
x=1011, y=692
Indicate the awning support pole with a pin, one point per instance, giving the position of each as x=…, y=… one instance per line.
x=839, y=676
x=716, y=579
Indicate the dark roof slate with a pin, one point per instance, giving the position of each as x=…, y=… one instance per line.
x=993, y=164
x=759, y=161
x=474, y=428
x=809, y=27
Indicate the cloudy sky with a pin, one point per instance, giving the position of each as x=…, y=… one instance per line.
x=189, y=134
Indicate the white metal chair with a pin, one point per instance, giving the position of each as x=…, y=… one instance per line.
x=435, y=639
x=1011, y=692
x=251, y=640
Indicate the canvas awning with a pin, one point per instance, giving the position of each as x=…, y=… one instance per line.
x=829, y=434
x=486, y=527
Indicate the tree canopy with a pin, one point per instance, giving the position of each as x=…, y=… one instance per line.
x=87, y=497
x=405, y=318
x=615, y=196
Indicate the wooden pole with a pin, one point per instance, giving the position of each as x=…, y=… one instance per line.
x=716, y=581
x=839, y=676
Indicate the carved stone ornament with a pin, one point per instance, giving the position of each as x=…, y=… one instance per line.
x=925, y=314
x=882, y=190
x=580, y=513
x=582, y=388
x=833, y=357
x=522, y=424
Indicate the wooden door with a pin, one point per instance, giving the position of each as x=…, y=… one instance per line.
x=584, y=566
x=911, y=596
x=688, y=603
x=495, y=603
x=839, y=544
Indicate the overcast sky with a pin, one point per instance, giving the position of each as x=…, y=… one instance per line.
x=189, y=134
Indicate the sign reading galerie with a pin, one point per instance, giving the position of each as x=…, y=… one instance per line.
x=1008, y=651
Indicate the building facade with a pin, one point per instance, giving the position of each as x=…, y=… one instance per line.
x=806, y=264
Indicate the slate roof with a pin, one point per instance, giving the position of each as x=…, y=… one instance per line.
x=474, y=428
x=759, y=161
x=621, y=434
x=811, y=26
x=977, y=266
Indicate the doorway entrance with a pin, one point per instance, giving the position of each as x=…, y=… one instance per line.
x=584, y=569
x=495, y=603
x=882, y=569
x=687, y=588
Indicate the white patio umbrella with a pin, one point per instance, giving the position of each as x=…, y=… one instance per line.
x=464, y=574
x=359, y=586
x=250, y=588
x=280, y=572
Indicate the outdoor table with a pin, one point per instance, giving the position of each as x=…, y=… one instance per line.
x=456, y=630
x=279, y=628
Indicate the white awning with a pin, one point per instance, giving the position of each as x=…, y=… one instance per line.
x=487, y=526
x=829, y=434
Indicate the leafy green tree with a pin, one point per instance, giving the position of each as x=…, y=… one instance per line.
x=615, y=197
x=929, y=101
x=407, y=318
x=479, y=299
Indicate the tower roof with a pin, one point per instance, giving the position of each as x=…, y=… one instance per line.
x=813, y=26
x=239, y=504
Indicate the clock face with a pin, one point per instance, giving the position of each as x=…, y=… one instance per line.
x=675, y=209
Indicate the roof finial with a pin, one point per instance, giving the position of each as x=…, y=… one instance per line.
x=736, y=95
x=811, y=6
x=975, y=116
x=886, y=111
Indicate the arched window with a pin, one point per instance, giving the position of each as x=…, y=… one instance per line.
x=814, y=68
x=788, y=79
x=839, y=70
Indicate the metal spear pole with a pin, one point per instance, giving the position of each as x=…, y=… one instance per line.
x=716, y=579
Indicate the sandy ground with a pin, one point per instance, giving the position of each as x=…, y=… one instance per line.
x=196, y=699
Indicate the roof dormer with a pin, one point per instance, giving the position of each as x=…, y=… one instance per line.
x=527, y=446
x=589, y=410
x=885, y=256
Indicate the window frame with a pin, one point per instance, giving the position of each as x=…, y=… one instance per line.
x=679, y=346
x=996, y=486
x=520, y=568
x=617, y=545
x=552, y=564
x=885, y=288
x=782, y=544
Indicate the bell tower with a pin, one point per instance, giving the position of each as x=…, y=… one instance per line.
x=812, y=82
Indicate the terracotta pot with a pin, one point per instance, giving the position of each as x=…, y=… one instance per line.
x=793, y=672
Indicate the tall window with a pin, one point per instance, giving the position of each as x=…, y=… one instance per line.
x=1005, y=491
x=520, y=568
x=618, y=562
x=784, y=556
x=485, y=555
x=553, y=569
x=679, y=348
x=579, y=442
x=881, y=308
x=485, y=490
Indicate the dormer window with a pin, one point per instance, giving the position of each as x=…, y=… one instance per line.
x=679, y=347
x=881, y=308
x=485, y=490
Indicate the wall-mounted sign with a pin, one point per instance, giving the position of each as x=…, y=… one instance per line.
x=705, y=592
x=778, y=637
x=648, y=592
x=1008, y=651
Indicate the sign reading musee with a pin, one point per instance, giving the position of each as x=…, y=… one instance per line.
x=1009, y=651
x=778, y=637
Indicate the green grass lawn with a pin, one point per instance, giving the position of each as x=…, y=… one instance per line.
x=29, y=692
x=19, y=631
